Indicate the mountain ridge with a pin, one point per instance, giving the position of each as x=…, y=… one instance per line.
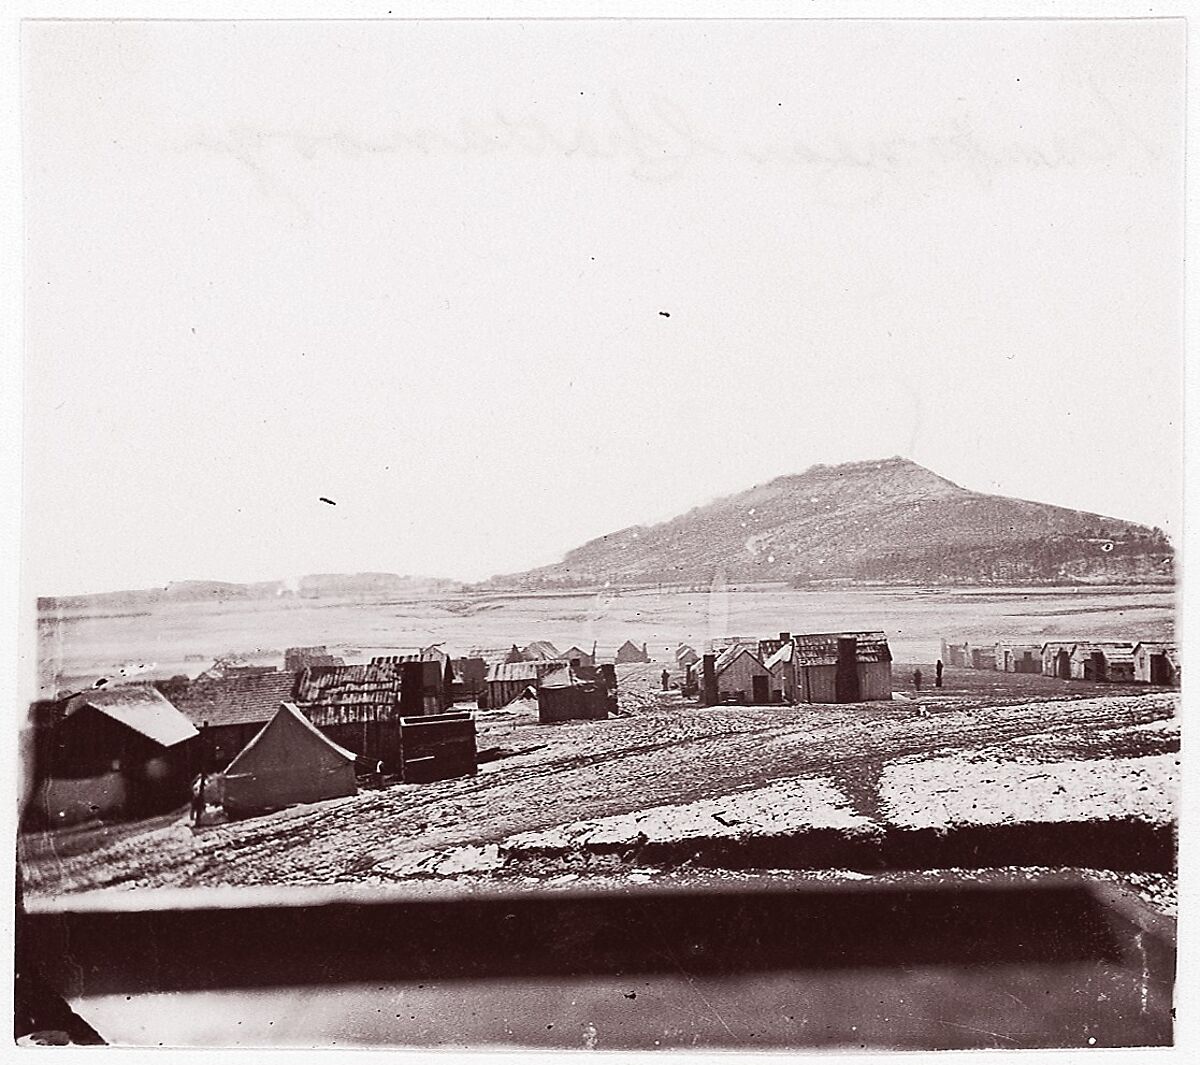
x=875, y=521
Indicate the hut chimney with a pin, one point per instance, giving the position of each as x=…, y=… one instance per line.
x=709, y=691
x=785, y=637
x=846, y=678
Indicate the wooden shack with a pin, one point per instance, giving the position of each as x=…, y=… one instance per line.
x=956, y=654
x=437, y=747
x=577, y=692
x=629, y=653
x=1112, y=662
x=359, y=707
x=1018, y=657
x=685, y=658
x=428, y=680
x=509, y=680
x=542, y=651
x=578, y=654
x=297, y=658
x=1056, y=659
x=123, y=751
x=835, y=667
x=739, y=675
x=770, y=647
x=1156, y=663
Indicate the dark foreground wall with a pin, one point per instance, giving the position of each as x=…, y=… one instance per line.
x=932, y=966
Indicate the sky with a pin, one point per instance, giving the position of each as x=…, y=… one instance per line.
x=495, y=289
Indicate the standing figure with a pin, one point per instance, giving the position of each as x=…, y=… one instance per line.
x=197, y=811
x=666, y=679
x=917, y=679
x=937, y=680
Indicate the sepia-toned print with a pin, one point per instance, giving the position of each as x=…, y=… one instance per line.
x=601, y=534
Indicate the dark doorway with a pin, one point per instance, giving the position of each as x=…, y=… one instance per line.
x=1160, y=669
x=1062, y=665
x=1099, y=668
x=761, y=689
x=847, y=687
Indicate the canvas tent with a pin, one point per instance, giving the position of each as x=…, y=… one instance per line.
x=289, y=761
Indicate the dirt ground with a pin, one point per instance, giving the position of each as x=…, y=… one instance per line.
x=728, y=774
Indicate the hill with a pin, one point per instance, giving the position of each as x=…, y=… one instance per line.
x=366, y=586
x=881, y=521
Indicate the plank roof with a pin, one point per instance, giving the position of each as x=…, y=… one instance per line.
x=140, y=707
x=372, y=684
x=236, y=700
x=820, y=648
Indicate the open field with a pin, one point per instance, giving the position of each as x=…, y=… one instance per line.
x=183, y=638
x=1039, y=773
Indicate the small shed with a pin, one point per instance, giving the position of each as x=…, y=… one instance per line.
x=509, y=680
x=769, y=647
x=1156, y=663
x=983, y=658
x=123, y=750
x=1102, y=662
x=1056, y=658
x=741, y=676
x=437, y=747
x=289, y=761
x=1018, y=657
x=629, y=652
x=685, y=657
x=955, y=654
x=577, y=692
x=578, y=654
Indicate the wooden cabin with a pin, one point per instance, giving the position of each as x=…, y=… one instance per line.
x=297, y=658
x=956, y=654
x=507, y=681
x=470, y=676
x=1056, y=659
x=123, y=751
x=983, y=658
x=359, y=707
x=428, y=680
x=1156, y=663
x=685, y=658
x=739, y=675
x=835, y=667
x=629, y=653
x=1018, y=657
x=578, y=654
x=1111, y=662
x=577, y=692
x=542, y=651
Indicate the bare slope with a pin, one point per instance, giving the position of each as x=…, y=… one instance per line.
x=888, y=520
